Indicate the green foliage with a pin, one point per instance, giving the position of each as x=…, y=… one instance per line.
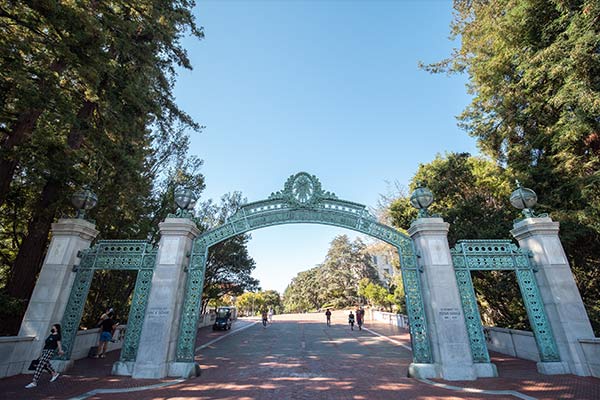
x=229, y=266
x=379, y=296
x=334, y=283
x=534, y=71
x=86, y=98
x=375, y=294
x=253, y=303
x=109, y=289
x=472, y=194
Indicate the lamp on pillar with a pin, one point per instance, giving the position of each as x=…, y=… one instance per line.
x=185, y=199
x=524, y=199
x=84, y=200
x=421, y=199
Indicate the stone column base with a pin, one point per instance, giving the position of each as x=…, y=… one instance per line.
x=150, y=370
x=184, y=369
x=553, y=368
x=123, y=368
x=458, y=372
x=451, y=372
x=423, y=371
x=485, y=370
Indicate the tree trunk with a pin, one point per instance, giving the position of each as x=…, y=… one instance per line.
x=8, y=163
x=19, y=134
x=31, y=253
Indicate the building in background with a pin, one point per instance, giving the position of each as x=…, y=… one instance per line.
x=385, y=260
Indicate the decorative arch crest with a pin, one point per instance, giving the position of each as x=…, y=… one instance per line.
x=303, y=200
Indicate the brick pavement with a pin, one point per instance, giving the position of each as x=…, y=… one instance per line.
x=517, y=375
x=298, y=357
x=87, y=374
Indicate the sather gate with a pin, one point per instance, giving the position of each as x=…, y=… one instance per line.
x=446, y=332
x=304, y=201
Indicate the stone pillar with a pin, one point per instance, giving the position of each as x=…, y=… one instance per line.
x=449, y=338
x=562, y=301
x=53, y=286
x=158, y=339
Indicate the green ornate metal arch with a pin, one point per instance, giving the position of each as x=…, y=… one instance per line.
x=494, y=255
x=135, y=255
x=304, y=201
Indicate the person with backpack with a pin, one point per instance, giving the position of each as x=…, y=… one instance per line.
x=351, y=320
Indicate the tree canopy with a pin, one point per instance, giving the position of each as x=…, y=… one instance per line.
x=229, y=266
x=472, y=194
x=534, y=73
x=86, y=98
x=335, y=283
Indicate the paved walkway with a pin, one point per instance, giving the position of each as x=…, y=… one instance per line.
x=298, y=357
x=516, y=375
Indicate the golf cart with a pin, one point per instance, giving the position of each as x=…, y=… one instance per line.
x=223, y=320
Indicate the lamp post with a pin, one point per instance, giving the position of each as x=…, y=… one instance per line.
x=524, y=199
x=185, y=199
x=421, y=199
x=84, y=200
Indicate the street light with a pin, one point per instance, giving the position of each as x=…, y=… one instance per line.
x=524, y=199
x=185, y=199
x=421, y=199
x=83, y=200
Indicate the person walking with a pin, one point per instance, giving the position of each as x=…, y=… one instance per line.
x=351, y=320
x=359, y=318
x=270, y=315
x=265, y=318
x=52, y=343
x=328, y=315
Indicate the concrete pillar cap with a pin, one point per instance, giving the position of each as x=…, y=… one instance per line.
x=428, y=226
x=535, y=226
x=75, y=227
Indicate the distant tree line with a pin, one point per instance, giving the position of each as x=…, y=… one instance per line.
x=336, y=282
x=254, y=303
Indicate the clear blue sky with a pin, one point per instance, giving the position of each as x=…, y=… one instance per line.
x=327, y=87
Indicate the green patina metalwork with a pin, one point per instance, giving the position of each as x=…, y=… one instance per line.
x=135, y=255
x=304, y=201
x=489, y=255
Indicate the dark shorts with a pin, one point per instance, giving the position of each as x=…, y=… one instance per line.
x=105, y=337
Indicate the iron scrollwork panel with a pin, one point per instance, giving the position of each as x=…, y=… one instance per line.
x=416, y=316
x=537, y=315
x=134, y=255
x=490, y=255
x=74, y=309
x=472, y=320
x=191, y=304
x=417, y=320
x=137, y=312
